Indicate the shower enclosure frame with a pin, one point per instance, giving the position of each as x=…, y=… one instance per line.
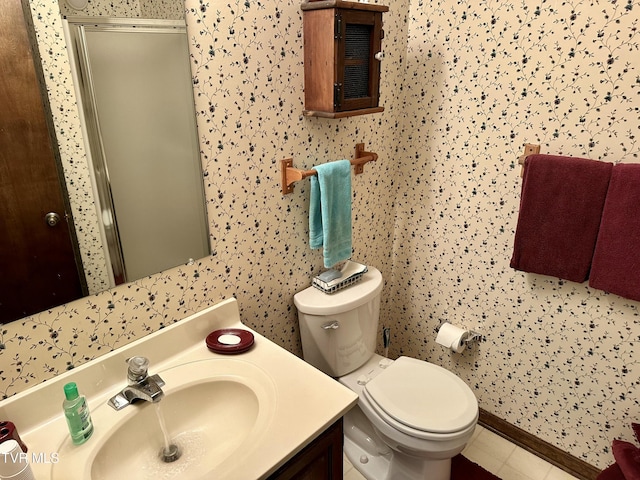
x=77, y=29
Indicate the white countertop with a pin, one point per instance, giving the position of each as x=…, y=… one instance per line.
x=307, y=400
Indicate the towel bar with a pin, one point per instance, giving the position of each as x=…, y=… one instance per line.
x=291, y=175
x=529, y=149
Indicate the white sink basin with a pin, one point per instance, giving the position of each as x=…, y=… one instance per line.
x=236, y=417
x=215, y=411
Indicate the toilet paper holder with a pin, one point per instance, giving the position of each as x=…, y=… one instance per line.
x=469, y=341
x=472, y=338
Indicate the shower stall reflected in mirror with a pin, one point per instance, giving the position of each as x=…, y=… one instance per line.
x=135, y=89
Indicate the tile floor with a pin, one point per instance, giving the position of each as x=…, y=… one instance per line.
x=498, y=456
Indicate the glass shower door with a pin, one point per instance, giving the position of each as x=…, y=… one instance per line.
x=138, y=104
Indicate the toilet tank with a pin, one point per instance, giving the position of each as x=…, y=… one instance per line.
x=338, y=331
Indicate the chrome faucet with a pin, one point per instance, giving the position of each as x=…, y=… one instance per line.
x=140, y=386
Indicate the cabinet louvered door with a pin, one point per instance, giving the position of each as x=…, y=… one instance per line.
x=358, y=71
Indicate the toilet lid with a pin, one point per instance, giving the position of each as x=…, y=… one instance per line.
x=423, y=396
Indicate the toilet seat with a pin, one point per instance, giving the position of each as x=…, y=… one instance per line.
x=421, y=399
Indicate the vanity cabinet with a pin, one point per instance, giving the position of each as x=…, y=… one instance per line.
x=342, y=54
x=320, y=460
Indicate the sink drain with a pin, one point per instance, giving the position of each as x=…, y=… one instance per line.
x=170, y=454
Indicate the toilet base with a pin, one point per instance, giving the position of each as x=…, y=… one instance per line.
x=371, y=466
x=376, y=461
x=379, y=467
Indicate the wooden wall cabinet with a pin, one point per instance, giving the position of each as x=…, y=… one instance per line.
x=342, y=53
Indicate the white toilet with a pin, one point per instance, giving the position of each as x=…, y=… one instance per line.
x=412, y=416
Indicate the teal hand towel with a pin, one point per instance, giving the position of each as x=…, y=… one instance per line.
x=330, y=211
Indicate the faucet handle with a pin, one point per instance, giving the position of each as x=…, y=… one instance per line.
x=138, y=368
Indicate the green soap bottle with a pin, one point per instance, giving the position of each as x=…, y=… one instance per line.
x=77, y=414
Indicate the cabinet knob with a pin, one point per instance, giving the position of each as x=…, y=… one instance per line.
x=379, y=56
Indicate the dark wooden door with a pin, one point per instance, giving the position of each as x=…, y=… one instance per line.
x=37, y=263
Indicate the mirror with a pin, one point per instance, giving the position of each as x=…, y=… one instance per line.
x=92, y=244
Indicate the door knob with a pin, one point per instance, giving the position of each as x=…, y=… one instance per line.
x=52, y=219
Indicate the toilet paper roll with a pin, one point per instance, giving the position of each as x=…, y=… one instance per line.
x=452, y=337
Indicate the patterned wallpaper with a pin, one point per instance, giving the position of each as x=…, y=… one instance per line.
x=98, y=8
x=161, y=9
x=560, y=359
x=464, y=87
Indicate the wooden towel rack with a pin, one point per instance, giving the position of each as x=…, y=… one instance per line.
x=529, y=149
x=291, y=175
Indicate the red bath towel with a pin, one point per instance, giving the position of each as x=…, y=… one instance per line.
x=612, y=472
x=616, y=261
x=560, y=209
x=627, y=457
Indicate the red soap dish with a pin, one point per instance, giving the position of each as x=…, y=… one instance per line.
x=229, y=340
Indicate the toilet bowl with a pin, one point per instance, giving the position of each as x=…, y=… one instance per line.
x=421, y=412
x=412, y=416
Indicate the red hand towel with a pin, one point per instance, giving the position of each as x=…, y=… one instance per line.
x=560, y=209
x=616, y=260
